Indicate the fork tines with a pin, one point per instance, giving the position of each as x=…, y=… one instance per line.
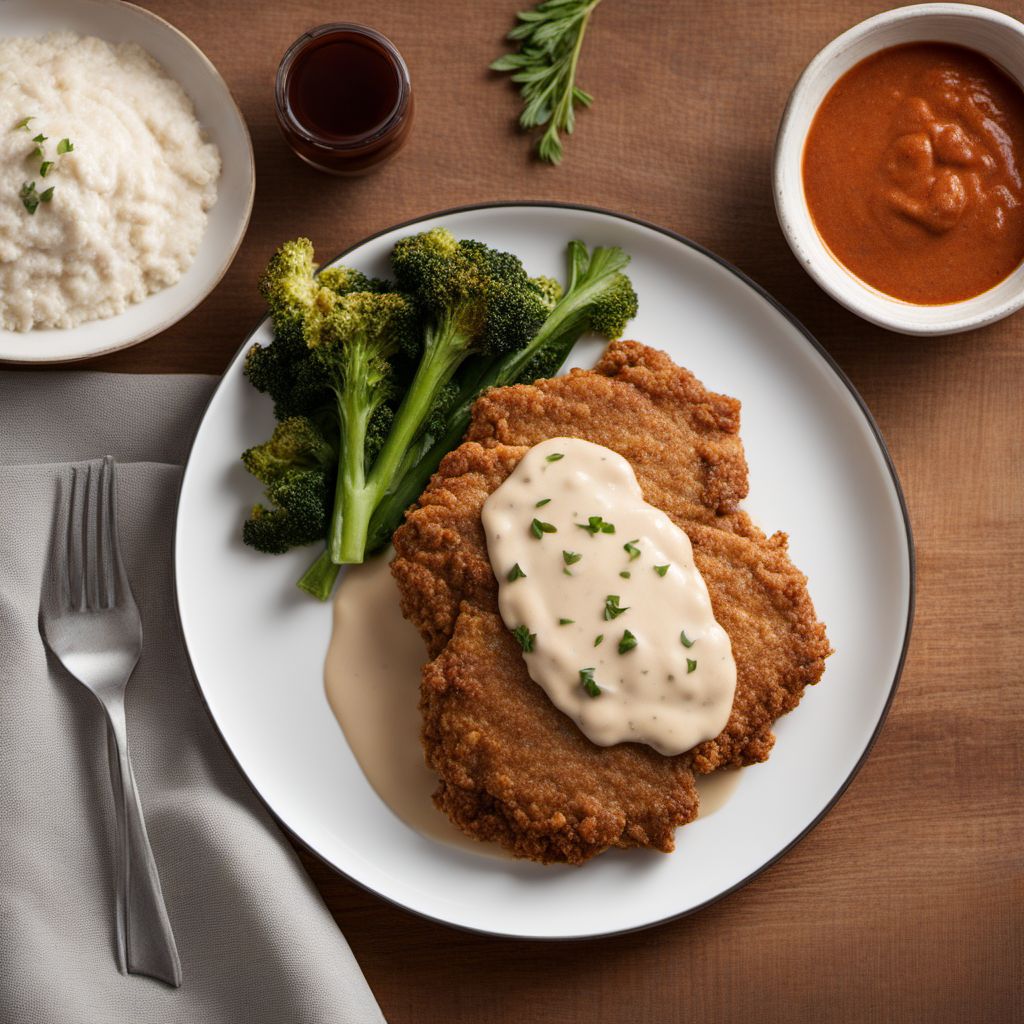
x=89, y=580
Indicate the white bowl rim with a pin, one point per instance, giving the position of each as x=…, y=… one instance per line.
x=789, y=146
x=44, y=358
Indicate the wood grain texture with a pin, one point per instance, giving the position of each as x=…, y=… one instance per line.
x=905, y=903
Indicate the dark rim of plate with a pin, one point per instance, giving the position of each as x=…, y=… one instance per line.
x=815, y=344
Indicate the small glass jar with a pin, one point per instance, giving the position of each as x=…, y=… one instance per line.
x=343, y=98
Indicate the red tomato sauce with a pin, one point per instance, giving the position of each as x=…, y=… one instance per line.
x=912, y=172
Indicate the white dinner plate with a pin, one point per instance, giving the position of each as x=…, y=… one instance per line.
x=223, y=124
x=818, y=469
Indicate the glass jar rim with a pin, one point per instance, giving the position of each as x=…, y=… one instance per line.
x=334, y=145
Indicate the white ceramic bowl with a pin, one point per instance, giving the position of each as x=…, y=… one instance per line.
x=996, y=35
x=224, y=125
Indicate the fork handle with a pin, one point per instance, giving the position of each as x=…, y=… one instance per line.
x=144, y=929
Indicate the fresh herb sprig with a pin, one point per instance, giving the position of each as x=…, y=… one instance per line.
x=550, y=38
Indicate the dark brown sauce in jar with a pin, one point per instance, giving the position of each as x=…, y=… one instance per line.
x=343, y=97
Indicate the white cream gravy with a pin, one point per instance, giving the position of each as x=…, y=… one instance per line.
x=602, y=592
x=372, y=679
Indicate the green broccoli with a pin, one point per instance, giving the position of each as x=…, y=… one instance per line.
x=295, y=467
x=295, y=371
x=599, y=297
x=477, y=301
x=353, y=338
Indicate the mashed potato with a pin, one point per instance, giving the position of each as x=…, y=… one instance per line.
x=129, y=204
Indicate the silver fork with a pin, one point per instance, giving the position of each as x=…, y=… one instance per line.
x=90, y=621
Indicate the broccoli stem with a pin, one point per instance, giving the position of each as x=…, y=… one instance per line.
x=444, y=350
x=318, y=580
x=355, y=418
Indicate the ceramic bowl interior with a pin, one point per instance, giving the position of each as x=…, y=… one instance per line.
x=998, y=37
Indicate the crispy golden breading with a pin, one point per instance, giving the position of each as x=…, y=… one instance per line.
x=513, y=768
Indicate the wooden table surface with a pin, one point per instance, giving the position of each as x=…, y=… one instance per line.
x=904, y=904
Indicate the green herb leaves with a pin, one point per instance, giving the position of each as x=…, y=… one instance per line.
x=571, y=557
x=30, y=197
x=554, y=457
x=550, y=38
x=538, y=529
x=542, y=503
x=685, y=640
x=631, y=549
x=525, y=638
x=627, y=643
x=691, y=665
x=515, y=573
x=588, y=682
x=661, y=569
x=611, y=607
x=595, y=525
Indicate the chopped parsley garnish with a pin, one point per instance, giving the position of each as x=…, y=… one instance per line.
x=588, y=682
x=625, y=575
x=554, y=457
x=571, y=557
x=538, y=529
x=567, y=573
x=598, y=639
x=595, y=525
x=28, y=196
x=661, y=569
x=611, y=607
x=686, y=641
x=631, y=549
x=690, y=665
x=542, y=503
x=627, y=643
x=566, y=622
x=515, y=573
x=525, y=638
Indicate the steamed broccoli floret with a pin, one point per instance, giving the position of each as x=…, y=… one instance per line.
x=598, y=297
x=344, y=280
x=477, y=299
x=289, y=287
x=295, y=467
x=297, y=443
x=353, y=338
x=550, y=291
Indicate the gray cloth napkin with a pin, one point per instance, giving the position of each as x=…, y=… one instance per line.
x=257, y=943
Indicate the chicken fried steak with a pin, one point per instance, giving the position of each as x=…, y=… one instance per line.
x=512, y=768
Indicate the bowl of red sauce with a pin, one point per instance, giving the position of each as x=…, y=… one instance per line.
x=899, y=168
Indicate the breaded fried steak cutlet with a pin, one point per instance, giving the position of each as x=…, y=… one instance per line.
x=512, y=768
